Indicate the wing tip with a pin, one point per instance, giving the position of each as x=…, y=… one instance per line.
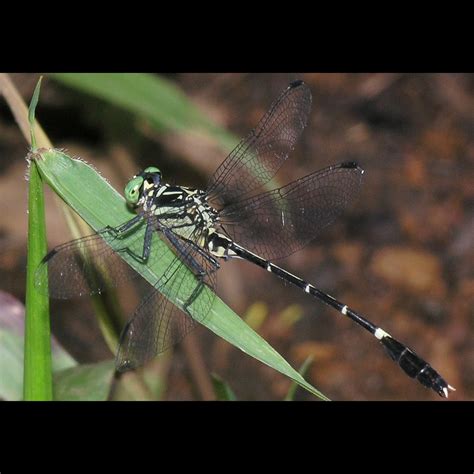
x=295, y=84
x=352, y=165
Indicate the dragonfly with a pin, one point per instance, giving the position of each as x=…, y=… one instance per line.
x=235, y=217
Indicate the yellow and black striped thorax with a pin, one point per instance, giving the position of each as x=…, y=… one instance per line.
x=184, y=210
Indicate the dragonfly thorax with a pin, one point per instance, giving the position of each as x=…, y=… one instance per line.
x=181, y=209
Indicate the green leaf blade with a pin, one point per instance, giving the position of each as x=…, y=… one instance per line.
x=32, y=111
x=87, y=382
x=151, y=97
x=222, y=389
x=290, y=396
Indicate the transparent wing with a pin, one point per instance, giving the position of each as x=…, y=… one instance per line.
x=86, y=266
x=259, y=156
x=277, y=223
x=158, y=323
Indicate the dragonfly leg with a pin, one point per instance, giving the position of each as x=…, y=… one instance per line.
x=143, y=258
x=118, y=231
x=147, y=242
x=191, y=261
x=196, y=292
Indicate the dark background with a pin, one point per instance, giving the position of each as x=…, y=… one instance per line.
x=402, y=255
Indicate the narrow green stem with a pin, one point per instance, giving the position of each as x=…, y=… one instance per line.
x=37, y=376
x=290, y=396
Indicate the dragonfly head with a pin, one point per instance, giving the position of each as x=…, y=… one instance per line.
x=137, y=188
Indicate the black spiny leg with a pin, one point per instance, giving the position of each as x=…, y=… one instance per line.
x=192, y=262
x=122, y=228
x=118, y=232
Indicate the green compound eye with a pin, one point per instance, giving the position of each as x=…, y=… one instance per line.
x=152, y=169
x=132, y=190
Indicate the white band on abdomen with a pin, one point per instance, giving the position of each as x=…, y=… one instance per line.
x=380, y=334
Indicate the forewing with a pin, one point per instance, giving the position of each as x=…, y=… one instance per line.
x=259, y=156
x=277, y=223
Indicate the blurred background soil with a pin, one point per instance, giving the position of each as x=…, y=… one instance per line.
x=403, y=254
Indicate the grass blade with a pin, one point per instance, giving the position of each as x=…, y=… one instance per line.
x=87, y=382
x=152, y=97
x=290, y=396
x=37, y=375
x=222, y=389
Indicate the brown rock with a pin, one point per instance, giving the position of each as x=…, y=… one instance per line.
x=414, y=270
x=348, y=253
